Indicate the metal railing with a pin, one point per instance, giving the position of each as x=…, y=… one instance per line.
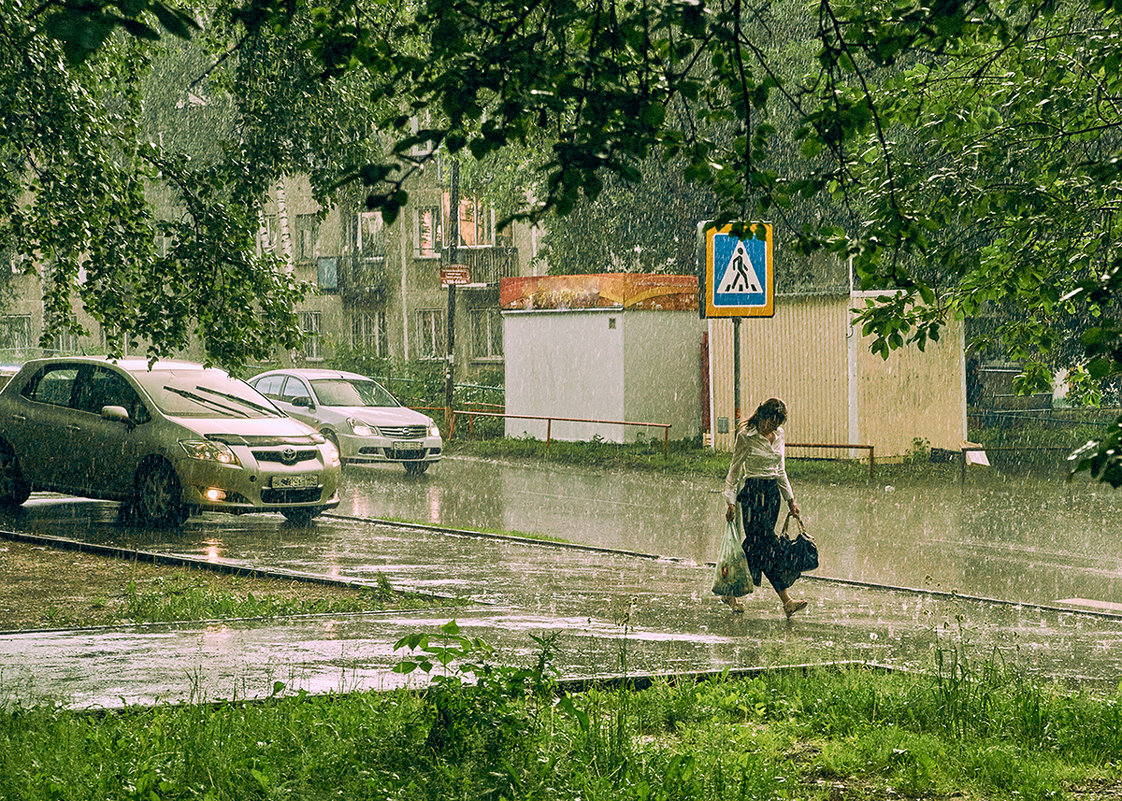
x=472, y=414
x=488, y=264
x=870, y=448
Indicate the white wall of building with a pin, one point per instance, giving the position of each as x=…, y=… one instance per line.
x=662, y=379
x=602, y=364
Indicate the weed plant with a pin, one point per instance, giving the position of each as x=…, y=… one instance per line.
x=482, y=731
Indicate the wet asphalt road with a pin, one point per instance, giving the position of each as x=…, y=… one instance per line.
x=1043, y=552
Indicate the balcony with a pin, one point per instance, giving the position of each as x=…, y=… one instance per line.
x=363, y=280
x=487, y=263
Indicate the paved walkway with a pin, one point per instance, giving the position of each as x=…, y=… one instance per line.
x=614, y=613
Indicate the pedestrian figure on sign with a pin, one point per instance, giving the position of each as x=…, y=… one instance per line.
x=741, y=283
x=759, y=460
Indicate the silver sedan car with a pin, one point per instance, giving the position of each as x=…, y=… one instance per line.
x=357, y=414
x=166, y=440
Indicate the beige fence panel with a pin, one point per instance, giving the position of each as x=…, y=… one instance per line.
x=799, y=355
x=836, y=391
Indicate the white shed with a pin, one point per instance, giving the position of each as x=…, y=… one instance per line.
x=610, y=348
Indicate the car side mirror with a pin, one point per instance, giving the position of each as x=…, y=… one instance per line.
x=118, y=413
x=304, y=402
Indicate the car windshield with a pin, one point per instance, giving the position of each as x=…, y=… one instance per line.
x=352, y=392
x=203, y=393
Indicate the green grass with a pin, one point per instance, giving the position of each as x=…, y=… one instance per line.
x=188, y=597
x=483, y=731
x=685, y=458
x=1040, y=449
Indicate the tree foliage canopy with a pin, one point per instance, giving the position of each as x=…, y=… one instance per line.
x=965, y=152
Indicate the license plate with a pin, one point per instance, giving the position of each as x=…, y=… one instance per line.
x=298, y=481
x=407, y=448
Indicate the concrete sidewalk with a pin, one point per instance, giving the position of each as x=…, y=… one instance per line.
x=615, y=613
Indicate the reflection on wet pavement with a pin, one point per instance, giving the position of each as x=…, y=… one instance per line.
x=1025, y=542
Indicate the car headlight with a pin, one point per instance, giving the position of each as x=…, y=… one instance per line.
x=362, y=429
x=331, y=454
x=209, y=451
x=434, y=430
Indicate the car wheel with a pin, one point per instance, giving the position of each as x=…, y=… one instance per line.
x=159, y=496
x=14, y=489
x=415, y=468
x=302, y=516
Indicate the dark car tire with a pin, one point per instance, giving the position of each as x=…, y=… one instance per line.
x=14, y=489
x=415, y=468
x=304, y=515
x=159, y=496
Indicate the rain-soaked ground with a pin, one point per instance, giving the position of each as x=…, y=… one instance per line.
x=910, y=565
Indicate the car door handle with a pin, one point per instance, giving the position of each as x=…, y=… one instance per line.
x=20, y=418
x=74, y=427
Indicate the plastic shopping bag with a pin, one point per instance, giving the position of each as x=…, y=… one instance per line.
x=731, y=575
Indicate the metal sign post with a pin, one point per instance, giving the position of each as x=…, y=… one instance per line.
x=453, y=252
x=735, y=376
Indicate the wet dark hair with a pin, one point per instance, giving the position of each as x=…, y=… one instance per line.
x=771, y=409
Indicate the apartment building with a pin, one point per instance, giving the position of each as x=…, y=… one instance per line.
x=377, y=287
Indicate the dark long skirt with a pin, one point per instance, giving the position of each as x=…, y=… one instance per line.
x=759, y=508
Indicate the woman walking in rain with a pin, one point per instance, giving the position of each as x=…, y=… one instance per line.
x=759, y=459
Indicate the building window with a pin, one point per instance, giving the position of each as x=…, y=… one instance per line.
x=15, y=331
x=305, y=237
x=430, y=334
x=103, y=340
x=12, y=261
x=370, y=235
x=311, y=324
x=267, y=237
x=416, y=124
x=327, y=273
x=429, y=232
x=486, y=334
x=476, y=222
x=368, y=332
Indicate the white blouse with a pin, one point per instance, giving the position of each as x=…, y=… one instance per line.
x=755, y=456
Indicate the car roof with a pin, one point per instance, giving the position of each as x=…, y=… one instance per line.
x=313, y=374
x=129, y=364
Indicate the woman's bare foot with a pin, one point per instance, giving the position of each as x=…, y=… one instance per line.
x=792, y=606
x=734, y=604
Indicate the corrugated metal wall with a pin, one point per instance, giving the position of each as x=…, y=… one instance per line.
x=836, y=391
x=799, y=355
x=914, y=394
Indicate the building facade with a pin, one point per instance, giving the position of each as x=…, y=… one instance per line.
x=377, y=290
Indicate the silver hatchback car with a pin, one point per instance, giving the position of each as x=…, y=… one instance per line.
x=357, y=414
x=166, y=441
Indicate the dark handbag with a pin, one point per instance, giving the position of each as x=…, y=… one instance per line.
x=800, y=553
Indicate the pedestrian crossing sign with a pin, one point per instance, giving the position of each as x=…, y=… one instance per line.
x=739, y=275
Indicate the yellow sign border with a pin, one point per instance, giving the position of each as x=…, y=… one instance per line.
x=768, y=307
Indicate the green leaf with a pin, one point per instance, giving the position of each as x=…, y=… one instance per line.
x=1100, y=367
x=566, y=705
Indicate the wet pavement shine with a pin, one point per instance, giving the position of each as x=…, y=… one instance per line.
x=1018, y=570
